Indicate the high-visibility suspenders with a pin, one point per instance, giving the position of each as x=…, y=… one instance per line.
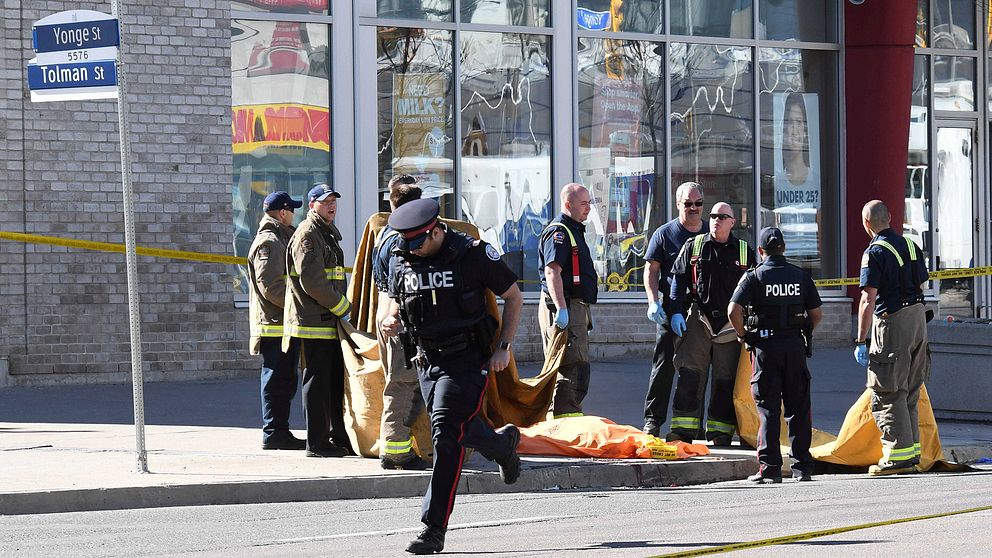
x=575, y=251
x=909, y=246
x=697, y=249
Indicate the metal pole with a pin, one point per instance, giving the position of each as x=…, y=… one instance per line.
x=130, y=256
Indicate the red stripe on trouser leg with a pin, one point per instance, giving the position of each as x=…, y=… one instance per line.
x=461, y=453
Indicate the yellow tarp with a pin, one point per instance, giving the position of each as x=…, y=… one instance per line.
x=509, y=399
x=859, y=442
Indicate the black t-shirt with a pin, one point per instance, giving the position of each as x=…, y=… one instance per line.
x=556, y=246
x=664, y=245
x=898, y=285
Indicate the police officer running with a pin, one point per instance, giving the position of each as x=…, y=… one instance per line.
x=664, y=245
x=568, y=286
x=783, y=307
x=893, y=273
x=401, y=399
x=704, y=276
x=438, y=281
x=267, y=295
x=315, y=306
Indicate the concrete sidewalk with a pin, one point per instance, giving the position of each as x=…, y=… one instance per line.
x=71, y=448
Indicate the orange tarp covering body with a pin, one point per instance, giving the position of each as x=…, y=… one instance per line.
x=589, y=436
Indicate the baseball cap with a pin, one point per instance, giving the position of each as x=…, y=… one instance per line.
x=414, y=220
x=771, y=238
x=280, y=200
x=321, y=191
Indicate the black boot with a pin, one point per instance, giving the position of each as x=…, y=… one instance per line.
x=509, y=467
x=429, y=541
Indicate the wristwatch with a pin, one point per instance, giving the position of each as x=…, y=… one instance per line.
x=505, y=345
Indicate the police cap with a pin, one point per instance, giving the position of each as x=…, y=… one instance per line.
x=280, y=200
x=321, y=190
x=771, y=238
x=414, y=220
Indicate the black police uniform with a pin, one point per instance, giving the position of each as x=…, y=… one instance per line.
x=899, y=356
x=443, y=304
x=558, y=241
x=707, y=285
x=779, y=295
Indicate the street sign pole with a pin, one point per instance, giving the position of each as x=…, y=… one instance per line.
x=130, y=256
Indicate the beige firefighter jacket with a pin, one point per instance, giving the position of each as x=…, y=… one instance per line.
x=315, y=294
x=267, y=281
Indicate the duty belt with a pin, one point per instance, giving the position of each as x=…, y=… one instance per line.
x=449, y=345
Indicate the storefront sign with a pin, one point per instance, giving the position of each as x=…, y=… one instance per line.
x=280, y=125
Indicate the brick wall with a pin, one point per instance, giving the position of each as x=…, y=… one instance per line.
x=65, y=310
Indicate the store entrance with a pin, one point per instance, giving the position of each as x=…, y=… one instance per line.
x=954, y=179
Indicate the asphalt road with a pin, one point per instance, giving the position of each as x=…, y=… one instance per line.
x=622, y=523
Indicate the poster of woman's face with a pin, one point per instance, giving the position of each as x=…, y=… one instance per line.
x=797, y=150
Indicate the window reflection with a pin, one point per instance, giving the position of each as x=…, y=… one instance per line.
x=712, y=18
x=954, y=24
x=916, y=224
x=506, y=143
x=644, y=16
x=430, y=10
x=532, y=13
x=621, y=152
x=922, y=23
x=281, y=6
x=415, y=111
x=799, y=186
x=280, y=129
x=712, y=125
x=953, y=83
x=797, y=20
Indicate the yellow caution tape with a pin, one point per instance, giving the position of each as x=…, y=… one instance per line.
x=110, y=247
x=812, y=534
x=614, y=282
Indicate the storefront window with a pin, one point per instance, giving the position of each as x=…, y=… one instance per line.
x=798, y=20
x=916, y=225
x=530, y=13
x=922, y=23
x=712, y=126
x=712, y=18
x=281, y=6
x=621, y=152
x=505, y=181
x=643, y=16
x=954, y=24
x=280, y=129
x=415, y=116
x=953, y=83
x=430, y=10
x=799, y=185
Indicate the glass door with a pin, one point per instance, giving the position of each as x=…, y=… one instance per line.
x=954, y=187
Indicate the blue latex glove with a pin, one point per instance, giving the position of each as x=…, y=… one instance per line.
x=678, y=324
x=561, y=318
x=656, y=313
x=861, y=354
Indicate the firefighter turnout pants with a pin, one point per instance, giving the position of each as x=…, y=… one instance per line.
x=898, y=364
x=780, y=377
x=695, y=353
x=453, y=390
x=572, y=383
x=401, y=400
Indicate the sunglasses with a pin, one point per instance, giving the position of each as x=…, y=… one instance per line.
x=720, y=216
x=688, y=204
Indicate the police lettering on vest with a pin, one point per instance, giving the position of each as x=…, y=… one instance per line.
x=790, y=289
x=428, y=280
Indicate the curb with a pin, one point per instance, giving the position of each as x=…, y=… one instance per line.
x=581, y=474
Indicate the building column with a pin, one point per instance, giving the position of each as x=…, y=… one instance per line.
x=878, y=67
